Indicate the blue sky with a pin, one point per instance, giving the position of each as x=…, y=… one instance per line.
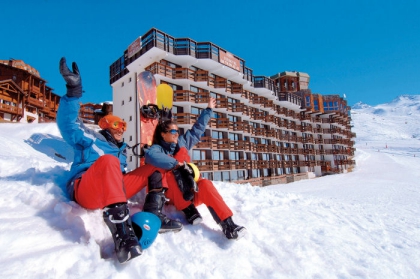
x=367, y=50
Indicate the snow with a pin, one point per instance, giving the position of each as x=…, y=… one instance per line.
x=362, y=224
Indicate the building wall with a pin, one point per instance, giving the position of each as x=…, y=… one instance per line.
x=263, y=128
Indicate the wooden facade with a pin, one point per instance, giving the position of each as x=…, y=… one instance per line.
x=24, y=95
x=265, y=130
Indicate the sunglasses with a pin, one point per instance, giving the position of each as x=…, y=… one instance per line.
x=173, y=131
x=119, y=125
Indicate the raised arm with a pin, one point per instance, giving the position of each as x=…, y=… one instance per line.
x=193, y=135
x=70, y=126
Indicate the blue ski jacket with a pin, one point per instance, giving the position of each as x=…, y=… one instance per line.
x=88, y=144
x=157, y=154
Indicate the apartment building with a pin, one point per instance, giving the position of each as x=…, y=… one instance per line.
x=265, y=130
x=24, y=95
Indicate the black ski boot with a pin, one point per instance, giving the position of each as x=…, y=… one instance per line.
x=192, y=215
x=118, y=220
x=154, y=203
x=231, y=230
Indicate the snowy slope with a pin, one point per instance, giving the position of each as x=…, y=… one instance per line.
x=362, y=224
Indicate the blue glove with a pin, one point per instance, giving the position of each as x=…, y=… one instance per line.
x=72, y=78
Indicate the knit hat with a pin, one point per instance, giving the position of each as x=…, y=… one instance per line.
x=112, y=122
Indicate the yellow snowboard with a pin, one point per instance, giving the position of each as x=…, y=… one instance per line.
x=164, y=96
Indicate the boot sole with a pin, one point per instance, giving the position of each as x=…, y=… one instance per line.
x=241, y=233
x=197, y=221
x=170, y=230
x=135, y=251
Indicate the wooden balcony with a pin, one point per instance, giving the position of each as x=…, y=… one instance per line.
x=236, y=88
x=221, y=143
x=281, y=110
x=304, y=116
x=220, y=123
x=269, y=118
x=185, y=118
x=237, y=145
x=306, y=128
x=184, y=96
x=318, y=141
x=220, y=82
x=291, y=125
x=10, y=109
x=184, y=73
x=257, y=100
x=269, y=104
x=205, y=142
x=204, y=165
x=202, y=76
x=161, y=69
x=261, y=147
x=222, y=103
x=246, y=127
x=308, y=140
x=258, y=131
x=202, y=97
x=293, y=138
x=258, y=115
x=247, y=146
x=241, y=164
x=272, y=148
x=308, y=151
x=271, y=133
x=236, y=126
x=236, y=107
x=35, y=102
x=221, y=165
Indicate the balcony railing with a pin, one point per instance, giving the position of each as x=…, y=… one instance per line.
x=10, y=109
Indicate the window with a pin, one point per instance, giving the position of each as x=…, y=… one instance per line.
x=199, y=155
x=122, y=84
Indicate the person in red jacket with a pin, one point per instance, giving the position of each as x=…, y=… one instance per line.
x=169, y=151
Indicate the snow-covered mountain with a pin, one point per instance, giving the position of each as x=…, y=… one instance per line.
x=363, y=224
x=396, y=120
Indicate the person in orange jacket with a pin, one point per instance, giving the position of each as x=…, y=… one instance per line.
x=169, y=151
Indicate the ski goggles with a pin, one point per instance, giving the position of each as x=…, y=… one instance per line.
x=112, y=122
x=173, y=131
x=118, y=124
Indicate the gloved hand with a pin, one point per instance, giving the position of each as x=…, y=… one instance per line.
x=72, y=78
x=165, y=114
x=189, y=172
x=187, y=169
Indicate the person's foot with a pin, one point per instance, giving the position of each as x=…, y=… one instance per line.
x=231, y=230
x=192, y=215
x=118, y=220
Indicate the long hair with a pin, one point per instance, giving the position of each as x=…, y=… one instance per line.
x=162, y=127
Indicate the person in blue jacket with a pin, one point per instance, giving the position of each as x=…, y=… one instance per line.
x=98, y=175
x=169, y=151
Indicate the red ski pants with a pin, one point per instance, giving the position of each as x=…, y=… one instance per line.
x=104, y=184
x=207, y=194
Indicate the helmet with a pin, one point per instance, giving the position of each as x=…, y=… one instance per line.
x=146, y=225
x=196, y=172
x=149, y=111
